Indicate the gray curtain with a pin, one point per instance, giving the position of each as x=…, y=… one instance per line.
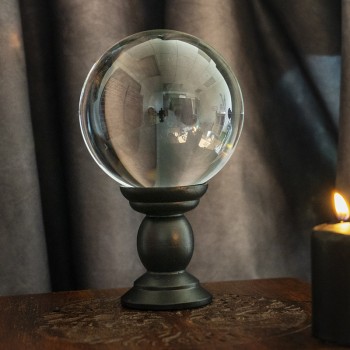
x=64, y=224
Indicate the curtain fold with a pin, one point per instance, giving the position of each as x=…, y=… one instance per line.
x=343, y=165
x=64, y=224
x=23, y=258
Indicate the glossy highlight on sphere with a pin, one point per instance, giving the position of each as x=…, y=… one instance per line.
x=161, y=109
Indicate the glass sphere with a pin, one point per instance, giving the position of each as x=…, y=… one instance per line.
x=161, y=109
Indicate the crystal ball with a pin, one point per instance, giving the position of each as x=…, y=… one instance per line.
x=161, y=108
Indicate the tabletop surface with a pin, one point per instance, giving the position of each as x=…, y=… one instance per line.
x=253, y=314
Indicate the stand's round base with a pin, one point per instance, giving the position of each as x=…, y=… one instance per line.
x=166, y=291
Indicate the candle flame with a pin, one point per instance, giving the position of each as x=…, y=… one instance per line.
x=341, y=207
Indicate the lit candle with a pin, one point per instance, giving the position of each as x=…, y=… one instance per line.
x=330, y=269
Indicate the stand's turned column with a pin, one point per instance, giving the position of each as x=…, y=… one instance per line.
x=165, y=245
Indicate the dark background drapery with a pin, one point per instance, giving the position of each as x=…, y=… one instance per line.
x=64, y=224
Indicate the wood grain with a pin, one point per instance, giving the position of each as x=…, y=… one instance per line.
x=256, y=314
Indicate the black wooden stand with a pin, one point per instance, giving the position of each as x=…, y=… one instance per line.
x=165, y=246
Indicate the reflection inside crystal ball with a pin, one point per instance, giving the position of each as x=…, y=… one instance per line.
x=161, y=109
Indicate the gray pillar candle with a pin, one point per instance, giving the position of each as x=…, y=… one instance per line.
x=330, y=269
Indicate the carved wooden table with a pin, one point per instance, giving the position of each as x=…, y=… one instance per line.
x=256, y=314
